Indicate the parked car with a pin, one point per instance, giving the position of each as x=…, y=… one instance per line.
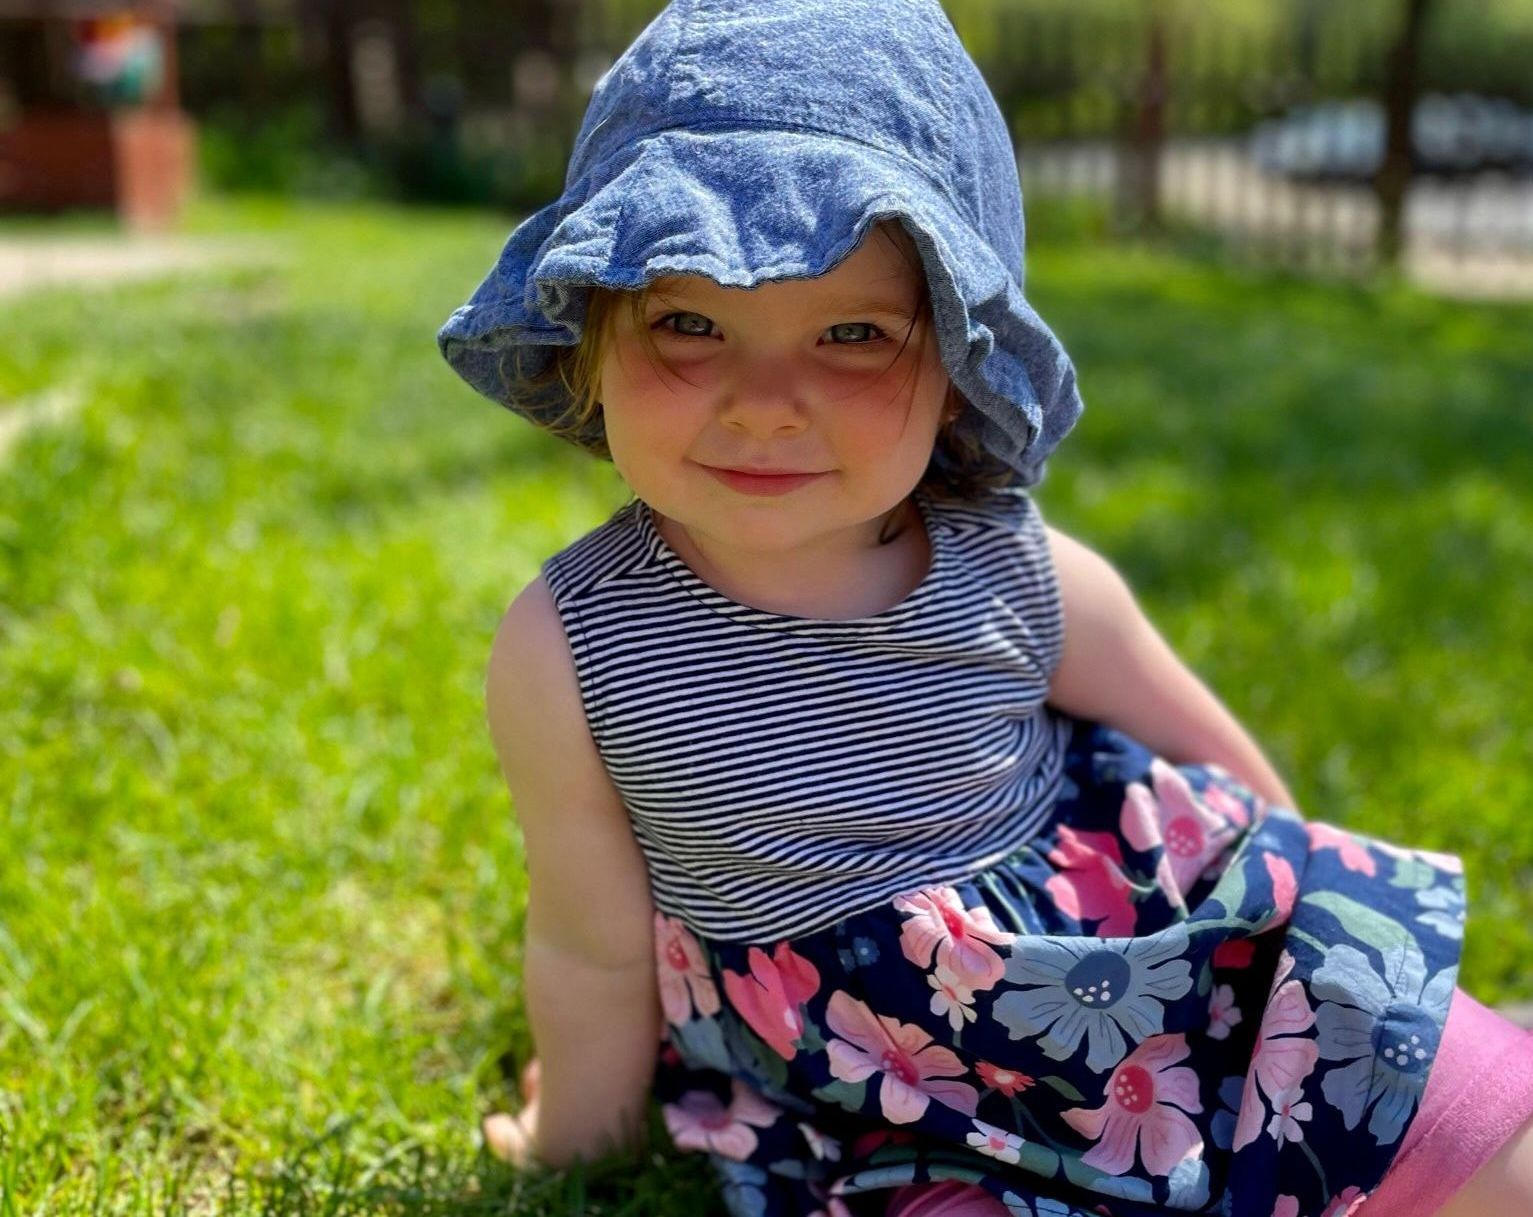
x=1344, y=140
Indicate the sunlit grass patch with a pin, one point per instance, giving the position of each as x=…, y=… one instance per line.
x=260, y=902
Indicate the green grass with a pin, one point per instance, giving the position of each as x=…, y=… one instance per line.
x=260, y=904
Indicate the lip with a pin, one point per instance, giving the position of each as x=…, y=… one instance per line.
x=755, y=482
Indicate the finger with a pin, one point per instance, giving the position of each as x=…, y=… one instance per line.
x=503, y=1136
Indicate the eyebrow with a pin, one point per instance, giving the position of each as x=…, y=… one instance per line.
x=867, y=304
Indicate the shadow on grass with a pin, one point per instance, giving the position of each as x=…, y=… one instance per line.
x=326, y=1176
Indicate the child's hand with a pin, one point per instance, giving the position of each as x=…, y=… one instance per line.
x=512, y=1137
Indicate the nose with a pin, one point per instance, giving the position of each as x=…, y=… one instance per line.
x=763, y=400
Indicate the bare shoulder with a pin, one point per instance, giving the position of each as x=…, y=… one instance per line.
x=530, y=665
x=1067, y=551
x=532, y=700
x=1104, y=629
x=1088, y=582
x=588, y=884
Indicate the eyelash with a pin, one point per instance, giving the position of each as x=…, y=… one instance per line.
x=871, y=342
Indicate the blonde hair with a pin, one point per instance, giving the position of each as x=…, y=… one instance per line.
x=960, y=467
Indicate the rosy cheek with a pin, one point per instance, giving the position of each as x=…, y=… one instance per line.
x=880, y=409
x=868, y=386
x=671, y=373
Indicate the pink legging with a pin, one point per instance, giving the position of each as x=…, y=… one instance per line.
x=1479, y=1093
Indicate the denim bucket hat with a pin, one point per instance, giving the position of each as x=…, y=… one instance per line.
x=753, y=140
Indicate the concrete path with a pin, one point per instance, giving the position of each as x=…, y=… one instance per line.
x=30, y=263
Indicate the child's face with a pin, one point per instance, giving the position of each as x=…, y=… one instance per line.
x=802, y=375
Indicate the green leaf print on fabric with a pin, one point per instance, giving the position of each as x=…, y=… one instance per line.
x=1411, y=872
x=850, y=1095
x=757, y=1056
x=1064, y=1088
x=812, y=1039
x=1230, y=890
x=1363, y=923
x=701, y=1044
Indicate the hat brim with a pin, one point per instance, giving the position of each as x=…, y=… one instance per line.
x=748, y=206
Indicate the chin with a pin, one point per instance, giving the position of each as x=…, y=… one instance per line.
x=755, y=527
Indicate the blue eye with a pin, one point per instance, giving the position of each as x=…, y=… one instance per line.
x=847, y=333
x=688, y=325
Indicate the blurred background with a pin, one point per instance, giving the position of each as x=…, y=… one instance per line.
x=261, y=895
x=1339, y=136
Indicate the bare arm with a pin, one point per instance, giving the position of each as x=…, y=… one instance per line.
x=1118, y=670
x=589, y=965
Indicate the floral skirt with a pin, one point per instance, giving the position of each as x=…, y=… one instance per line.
x=1176, y=998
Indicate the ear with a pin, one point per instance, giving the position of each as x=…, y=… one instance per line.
x=953, y=407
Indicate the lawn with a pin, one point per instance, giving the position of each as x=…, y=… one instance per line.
x=260, y=904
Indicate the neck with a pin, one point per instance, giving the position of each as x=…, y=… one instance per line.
x=840, y=577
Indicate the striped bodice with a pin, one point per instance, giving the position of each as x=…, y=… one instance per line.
x=784, y=772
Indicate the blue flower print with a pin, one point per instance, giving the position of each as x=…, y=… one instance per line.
x=863, y=953
x=1223, y=1127
x=742, y=1184
x=1046, y=1206
x=1445, y=911
x=1188, y=1182
x=1099, y=988
x=1380, y=1024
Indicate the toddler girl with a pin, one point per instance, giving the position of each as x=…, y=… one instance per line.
x=875, y=803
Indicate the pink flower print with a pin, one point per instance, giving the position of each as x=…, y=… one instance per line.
x=1346, y=1202
x=996, y=1142
x=1286, y=1206
x=1173, y=818
x=825, y=1149
x=1223, y=1013
x=951, y=998
x=771, y=997
x=962, y=938
x=1165, y=879
x=683, y=971
x=1148, y=1098
x=912, y=1068
x=1007, y=1081
x=1353, y=854
x=1287, y=1111
x=1091, y=884
x=1285, y=890
x=700, y=1121
x=1282, y=1059
x=1222, y=803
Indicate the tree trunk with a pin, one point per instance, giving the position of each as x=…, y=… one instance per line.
x=340, y=87
x=1140, y=200
x=1394, y=176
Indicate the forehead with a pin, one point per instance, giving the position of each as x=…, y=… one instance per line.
x=882, y=269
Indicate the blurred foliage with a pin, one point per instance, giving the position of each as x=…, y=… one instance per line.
x=283, y=152
x=1060, y=69
x=289, y=154
x=261, y=898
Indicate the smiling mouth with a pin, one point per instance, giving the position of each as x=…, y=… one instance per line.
x=768, y=473
x=748, y=481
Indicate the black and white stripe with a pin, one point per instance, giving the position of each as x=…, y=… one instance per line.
x=785, y=772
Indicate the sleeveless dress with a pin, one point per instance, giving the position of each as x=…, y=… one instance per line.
x=912, y=924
